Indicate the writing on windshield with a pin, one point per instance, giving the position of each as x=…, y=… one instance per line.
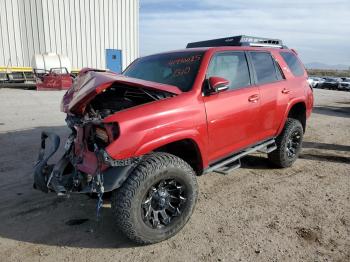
x=177, y=68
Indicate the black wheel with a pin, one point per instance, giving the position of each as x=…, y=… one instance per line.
x=156, y=200
x=288, y=144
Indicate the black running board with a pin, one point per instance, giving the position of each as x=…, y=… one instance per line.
x=229, y=164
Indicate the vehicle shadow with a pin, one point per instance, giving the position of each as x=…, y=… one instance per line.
x=311, y=151
x=314, y=151
x=326, y=158
x=332, y=111
x=344, y=102
x=35, y=217
x=325, y=146
x=256, y=161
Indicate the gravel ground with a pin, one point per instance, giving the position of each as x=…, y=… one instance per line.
x=257, y=213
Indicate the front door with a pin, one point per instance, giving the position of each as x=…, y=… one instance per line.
x=231, y=115
x=114, y=60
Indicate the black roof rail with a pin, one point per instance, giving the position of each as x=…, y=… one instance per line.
x=240, y=40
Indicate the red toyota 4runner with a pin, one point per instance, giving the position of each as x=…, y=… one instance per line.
x=146, y=134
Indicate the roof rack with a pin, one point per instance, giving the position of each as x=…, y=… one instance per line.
x=240, y=40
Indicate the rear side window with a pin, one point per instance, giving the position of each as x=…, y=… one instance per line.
x=280, y=75
x=293, y=63
x=265, y=68
x=232, y=66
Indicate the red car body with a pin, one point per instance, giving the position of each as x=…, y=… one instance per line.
x=217, y=125
x=144, y=135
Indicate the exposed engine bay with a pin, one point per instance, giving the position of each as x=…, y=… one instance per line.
x=120, y=97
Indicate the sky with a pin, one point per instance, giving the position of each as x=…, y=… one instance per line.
x=319, y=30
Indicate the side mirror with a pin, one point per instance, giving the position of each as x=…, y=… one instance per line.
x=218, y=84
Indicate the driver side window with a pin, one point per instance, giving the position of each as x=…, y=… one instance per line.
x=232, y=66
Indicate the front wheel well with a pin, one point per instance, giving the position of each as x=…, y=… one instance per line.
x=298, y=112
x=187, y=150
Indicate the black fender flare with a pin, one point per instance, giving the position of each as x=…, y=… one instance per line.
x=114, y=177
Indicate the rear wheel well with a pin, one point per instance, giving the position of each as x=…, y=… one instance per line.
x=298, y=112
x=187, y=150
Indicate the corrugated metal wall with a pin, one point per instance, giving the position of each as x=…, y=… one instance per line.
x=80, y=29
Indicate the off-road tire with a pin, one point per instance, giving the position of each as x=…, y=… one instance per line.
x=279, y=157
x=126, y=200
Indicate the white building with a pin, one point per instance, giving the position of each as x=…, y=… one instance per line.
x=92, y=33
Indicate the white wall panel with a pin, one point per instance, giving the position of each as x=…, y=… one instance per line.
x=46, y=23
x=67, y=28
x=5, y=55
x=101, y=42
x=16, y=33
x=105, y=25
x=80, y=29
x=123, y=31
x=79, y=34
x=2, y=51
x=51, y=26
x=10, y=30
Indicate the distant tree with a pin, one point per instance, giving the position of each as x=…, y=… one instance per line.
x=334, y=73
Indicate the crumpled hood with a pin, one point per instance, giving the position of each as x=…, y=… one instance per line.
x=90, y=83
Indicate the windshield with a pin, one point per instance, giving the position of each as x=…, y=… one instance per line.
x=178, y=69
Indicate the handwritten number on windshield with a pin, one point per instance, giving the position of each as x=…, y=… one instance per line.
x=185, y=60
x=181, y=71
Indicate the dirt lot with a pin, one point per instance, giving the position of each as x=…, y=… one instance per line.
x=257, y=213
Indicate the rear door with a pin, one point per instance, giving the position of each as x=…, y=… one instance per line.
x=274, y=92
x=231, y=114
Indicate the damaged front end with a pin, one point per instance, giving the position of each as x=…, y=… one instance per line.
x=80, y=169
x=85, y=166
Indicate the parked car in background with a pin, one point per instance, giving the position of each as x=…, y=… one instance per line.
x=331, y=83
x=344, y=85
x=315, y=81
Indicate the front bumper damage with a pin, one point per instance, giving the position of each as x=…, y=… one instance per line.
x=41, y=169
x=65, y=176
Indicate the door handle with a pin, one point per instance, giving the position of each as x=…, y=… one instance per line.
x=285, y=91
x=253, y=98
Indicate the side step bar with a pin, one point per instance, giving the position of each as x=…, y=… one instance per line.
x=227, y=165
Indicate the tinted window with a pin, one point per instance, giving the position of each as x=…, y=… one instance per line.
x=177, y=69
x=231, y=66
x=293, y=63
x=280, y=75
x=264, y=67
